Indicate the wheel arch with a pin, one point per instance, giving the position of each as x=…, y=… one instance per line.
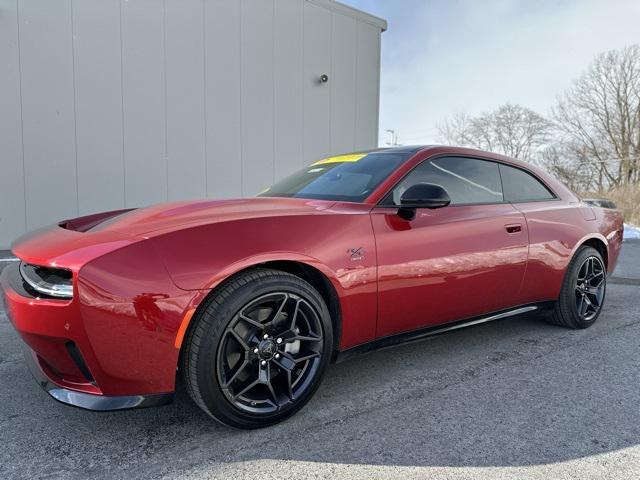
x=321, y=283
x=310, y=273
x=599, y=244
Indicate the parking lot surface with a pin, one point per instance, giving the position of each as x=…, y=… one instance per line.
x=516, y=398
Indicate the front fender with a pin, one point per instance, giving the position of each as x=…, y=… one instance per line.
x=260, y=259
x=200, y=258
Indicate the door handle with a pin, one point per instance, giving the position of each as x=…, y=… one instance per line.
x=513, y=228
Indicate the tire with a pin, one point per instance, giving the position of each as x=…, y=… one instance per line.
x=579, y=290
x=265, y=328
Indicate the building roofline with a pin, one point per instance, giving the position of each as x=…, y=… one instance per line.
x=352, y=12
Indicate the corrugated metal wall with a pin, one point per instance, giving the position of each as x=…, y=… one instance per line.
x=107, y=104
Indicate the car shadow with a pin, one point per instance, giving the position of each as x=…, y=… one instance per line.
x=514, y=392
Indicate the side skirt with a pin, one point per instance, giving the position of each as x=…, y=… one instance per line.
x=417, y=335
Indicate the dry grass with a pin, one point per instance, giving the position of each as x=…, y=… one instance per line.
x=626, y=198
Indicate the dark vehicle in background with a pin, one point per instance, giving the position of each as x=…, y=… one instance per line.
x=600, y=202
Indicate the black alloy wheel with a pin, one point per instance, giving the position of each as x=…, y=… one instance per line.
x=590, y=288
x=583, y=290
x=270, y=352
x=257, y=348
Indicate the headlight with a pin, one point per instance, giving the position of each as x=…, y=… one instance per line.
x=51, y=282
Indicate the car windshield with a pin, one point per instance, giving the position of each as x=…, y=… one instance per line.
x=346, y=178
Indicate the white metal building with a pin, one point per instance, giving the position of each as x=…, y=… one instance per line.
x=107, y=104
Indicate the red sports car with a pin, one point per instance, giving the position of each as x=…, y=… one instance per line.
x=250, y=299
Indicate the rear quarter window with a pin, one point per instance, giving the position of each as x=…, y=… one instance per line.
x=520, y=186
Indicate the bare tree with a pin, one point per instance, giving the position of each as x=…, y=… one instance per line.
x=455, y=130
x=512, y=130
x=599, y=119
x=577, y=173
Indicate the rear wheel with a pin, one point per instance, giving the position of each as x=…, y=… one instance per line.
x=258, y=349
x=583, y=290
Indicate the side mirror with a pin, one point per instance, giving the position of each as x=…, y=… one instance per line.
x=422, y=195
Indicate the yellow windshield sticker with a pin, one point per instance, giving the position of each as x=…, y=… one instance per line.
x=341, y=158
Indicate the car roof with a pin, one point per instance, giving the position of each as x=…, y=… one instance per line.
x=427, y=151
x=451, y=150
x=399, y=149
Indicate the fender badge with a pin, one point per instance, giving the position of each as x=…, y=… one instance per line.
x=356, y=253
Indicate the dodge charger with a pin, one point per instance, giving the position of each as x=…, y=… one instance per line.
x=250, y=299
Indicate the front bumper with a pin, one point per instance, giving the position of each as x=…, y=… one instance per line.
x=48, y=328
x=88, y=401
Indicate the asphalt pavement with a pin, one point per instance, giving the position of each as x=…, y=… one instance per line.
x=516, y=398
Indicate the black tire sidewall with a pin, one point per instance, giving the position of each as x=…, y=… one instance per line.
x=240, y=292
x=567, y=302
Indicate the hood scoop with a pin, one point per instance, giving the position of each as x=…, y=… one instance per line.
x=86, y=223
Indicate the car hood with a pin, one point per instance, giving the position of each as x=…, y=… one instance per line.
x=172, y=216
x=73, y=242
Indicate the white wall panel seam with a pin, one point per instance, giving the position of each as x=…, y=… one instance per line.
x=124, y=160
x=241, y=133
x=204, y=99
x=304, y=44
x=24, y=173
x=355, y=96
x=166, y=116
x=376, y=139
x=273, y=88
x=355, y=87
x=332, y=81
x=75, y=105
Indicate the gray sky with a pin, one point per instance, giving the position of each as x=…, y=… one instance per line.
x=443, y=56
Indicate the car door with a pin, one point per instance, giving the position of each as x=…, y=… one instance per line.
x=449, y=263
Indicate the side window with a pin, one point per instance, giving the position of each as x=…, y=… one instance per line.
x=466, y=180
x=521, y=186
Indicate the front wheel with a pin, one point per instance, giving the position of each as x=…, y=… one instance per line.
x=583, y=290
x=258, y=349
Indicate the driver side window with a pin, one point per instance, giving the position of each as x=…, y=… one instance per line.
x=466, y=180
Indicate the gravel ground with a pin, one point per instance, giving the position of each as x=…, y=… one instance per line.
x=515, y=398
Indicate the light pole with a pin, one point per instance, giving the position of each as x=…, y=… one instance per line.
x=394, y=138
